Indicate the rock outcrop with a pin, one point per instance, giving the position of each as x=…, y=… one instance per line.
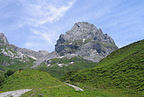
x=3, y=38
x=85, y=40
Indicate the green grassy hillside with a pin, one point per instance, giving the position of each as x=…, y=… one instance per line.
x=78, y=63
x=29, y=79
x=122, y=69
x=43, y=84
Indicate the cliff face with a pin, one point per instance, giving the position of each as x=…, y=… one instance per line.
x=85, y=40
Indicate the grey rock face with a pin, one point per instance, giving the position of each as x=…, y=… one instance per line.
x=85, y=40
x=3, y=38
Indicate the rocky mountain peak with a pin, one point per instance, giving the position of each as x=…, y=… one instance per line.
x=82, y=25
x=3, y=38
x=81, y=30
x=85, y=40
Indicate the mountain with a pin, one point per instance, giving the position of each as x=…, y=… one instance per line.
x=80, y=48
x=85, y=40
x=122, y=69
x=119, y=73
x=10, y=58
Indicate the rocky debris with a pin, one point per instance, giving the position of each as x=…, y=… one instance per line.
x=45, y=57
x=29, y=52
x=85, y=40
x=13, y=54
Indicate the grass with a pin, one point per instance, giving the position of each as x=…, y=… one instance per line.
x=59, y=72
x=123, y=69
x=29, y=79
x=2, y=77
x=43, y=85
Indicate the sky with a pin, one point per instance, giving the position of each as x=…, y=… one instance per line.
x=37, y=24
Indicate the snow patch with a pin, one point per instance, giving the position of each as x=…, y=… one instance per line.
x=84, y=40
x=61, y=57
x=32, y=57
x=60, y=65
x=70, y=43
x=71, y=62
x=48, y=65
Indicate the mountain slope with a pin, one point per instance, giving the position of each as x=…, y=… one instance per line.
x=11, y=59
x=124, y=69
x=43, y=85
x=58, y=67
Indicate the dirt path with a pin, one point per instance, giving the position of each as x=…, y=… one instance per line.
x=16, y=93
x=75, y=87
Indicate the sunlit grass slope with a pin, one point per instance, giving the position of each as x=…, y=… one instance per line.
x=43, y=85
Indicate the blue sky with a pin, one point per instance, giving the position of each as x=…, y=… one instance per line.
x=37, y=24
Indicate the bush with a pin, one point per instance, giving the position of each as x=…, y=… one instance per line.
x=2, y=78
x=9, y=73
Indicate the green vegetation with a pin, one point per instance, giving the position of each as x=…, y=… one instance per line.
x=121, y=74
x=43, y=85
x=6, y=63
x=2, y=77
x=29, y=79
x=107, y=45
x=123, y=69
x=58, y=72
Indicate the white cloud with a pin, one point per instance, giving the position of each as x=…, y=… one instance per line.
x=41, y=12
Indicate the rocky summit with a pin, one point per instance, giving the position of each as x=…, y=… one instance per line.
x=85, y=40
